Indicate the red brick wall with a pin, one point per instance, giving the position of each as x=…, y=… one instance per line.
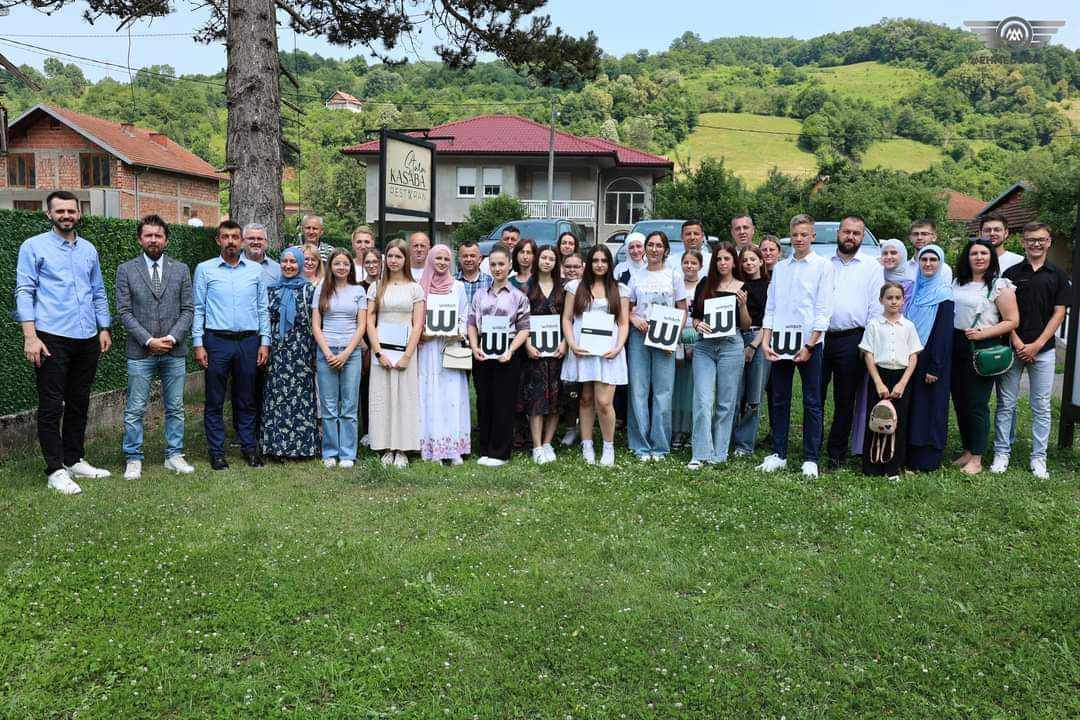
x=58, y=148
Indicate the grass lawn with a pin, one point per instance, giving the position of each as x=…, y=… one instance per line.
x=525, y=592
x=749, y=155
x=872, y=81
x=901, y=154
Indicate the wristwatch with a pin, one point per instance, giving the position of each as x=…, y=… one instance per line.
x=378, y=354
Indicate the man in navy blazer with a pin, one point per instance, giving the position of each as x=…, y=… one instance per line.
x=154, y=302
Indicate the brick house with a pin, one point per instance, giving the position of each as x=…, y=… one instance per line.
x=115, y=169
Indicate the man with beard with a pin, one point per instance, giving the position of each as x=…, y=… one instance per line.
x=995, y=228
x=231, y=334
x=857, y=281
x=61, y=304
x=153, y=301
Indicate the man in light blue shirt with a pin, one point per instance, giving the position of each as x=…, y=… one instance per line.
x=255, y=246
x=231, y=335
x=61, y=303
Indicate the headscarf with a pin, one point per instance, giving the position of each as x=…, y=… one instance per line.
x=435, y=282
x=929, y=293
x=903, y=274
x=289, y=289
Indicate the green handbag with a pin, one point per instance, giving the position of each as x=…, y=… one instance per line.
x=990, y=361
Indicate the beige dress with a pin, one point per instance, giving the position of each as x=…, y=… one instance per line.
x=394, y=395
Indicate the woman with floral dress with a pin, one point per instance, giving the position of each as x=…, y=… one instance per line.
x=538, y=393
x=289, y=426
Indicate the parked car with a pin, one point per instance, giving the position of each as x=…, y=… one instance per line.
x=671, y=228
x=542, y=232
x=825, y=240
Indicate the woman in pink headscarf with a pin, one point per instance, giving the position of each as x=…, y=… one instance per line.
x=444, y=393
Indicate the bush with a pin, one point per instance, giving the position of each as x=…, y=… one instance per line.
x=115, y=243
x=484, y=216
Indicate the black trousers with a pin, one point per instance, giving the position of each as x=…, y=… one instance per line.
x=257, y=391
x=843, y=365
x=496, y=394
x=898, y=460
x=63, y=387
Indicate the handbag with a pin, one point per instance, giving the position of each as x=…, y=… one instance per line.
x=457, y=357
x=990, y=361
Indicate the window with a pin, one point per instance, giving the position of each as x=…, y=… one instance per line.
x=21, y=172
x=492, y=182
x=186, y=212
x=94, y=170
x=466, y=182
x=624, y=202
x=28, y=205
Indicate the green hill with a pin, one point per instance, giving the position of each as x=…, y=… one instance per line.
x=871, y=81
x=751, y=155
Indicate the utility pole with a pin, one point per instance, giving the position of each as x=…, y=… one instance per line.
x=551, y=161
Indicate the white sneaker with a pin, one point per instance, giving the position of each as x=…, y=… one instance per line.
x=538, y=456
x=133, y=470
x=177, y=463
x=588, y=452
x=387, y=459
x=657, y=457
x=345, y=464
x=85, y=469
x=570, y=437
x=1000, y=464
x=495, y=462
x=645, y=457
x=366, y=441
x=61, y=482
x=484, y=460
x=401, y=461
x=549, y=453
x=329, y=463
x=607, y=456
x=694, y=465
x=1038, y=468
x=809, y=469
x=772, y=463
x=456, y=460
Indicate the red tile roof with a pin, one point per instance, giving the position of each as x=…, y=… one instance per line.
x=962, y=207
x=512, y=135
x=343, y=97
x=133, y=145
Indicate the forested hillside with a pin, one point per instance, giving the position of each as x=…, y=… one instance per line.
x=967, y=115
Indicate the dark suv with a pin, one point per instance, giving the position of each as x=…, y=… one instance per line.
x=542, y=232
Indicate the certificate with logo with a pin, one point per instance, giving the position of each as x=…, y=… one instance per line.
x=545, y=333
x=441, y=316
x=494, y=335
x=597, y=332
x=663, y=330
x=787, y=341
x=720, y=316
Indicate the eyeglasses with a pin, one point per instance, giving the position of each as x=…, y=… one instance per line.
x=1036, y=241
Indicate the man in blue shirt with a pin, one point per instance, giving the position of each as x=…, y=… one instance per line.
x=61, y=303
x=231, y=335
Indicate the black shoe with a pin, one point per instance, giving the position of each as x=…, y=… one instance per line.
x=218, y=462
x=254, y=459
x=833, y=464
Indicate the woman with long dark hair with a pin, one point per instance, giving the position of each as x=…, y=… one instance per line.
x=597, y=291
x=682, y=401
x=538, y=394
x=568, y=244
x=755, y=278
x=985, y=315
x=523, y=263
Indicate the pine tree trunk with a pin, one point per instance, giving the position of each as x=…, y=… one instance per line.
x=253, y=98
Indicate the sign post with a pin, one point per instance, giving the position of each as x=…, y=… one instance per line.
x=406, y=179
x=1070, y=395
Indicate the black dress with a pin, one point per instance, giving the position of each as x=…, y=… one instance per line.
x=928, y=424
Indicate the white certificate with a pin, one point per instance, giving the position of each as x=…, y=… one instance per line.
x=787, y=341
x=441, y=315
x=494, y=335
x=663, y=330
x=597, y=332
x=545, y=333
x=720, y=316
x=393, y=339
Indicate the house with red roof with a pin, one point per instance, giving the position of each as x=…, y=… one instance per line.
x=114, y=169
x=604, y=186
x=342, y=100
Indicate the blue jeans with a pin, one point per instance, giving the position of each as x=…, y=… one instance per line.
x=1041, y=381
x=653, y=374
x=753, y=390
x=339, y=400
x=718, y=366
x=173, y=371
x=780, y=405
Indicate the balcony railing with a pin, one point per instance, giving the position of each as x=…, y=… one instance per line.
x=565, y=209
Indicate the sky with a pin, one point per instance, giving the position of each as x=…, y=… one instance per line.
x=622, y=27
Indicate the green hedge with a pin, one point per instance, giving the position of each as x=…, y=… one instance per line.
x=115, y=242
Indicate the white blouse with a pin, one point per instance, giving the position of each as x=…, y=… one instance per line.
x=890, y=343
x=972, y=300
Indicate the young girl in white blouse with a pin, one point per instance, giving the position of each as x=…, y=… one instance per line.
x=891, y=349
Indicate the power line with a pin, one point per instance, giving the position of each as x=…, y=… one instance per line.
x=790, y=133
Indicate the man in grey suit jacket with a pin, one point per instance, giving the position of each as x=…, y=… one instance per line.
x=154, y=302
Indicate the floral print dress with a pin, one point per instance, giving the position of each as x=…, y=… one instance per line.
x=290, y=413
x=538, y=392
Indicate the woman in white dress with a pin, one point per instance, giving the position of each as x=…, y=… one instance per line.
x=597, y=291
x=444, y=393
x=395, y=302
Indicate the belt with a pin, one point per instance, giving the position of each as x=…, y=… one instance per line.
x=844, y=333
x=229, y=335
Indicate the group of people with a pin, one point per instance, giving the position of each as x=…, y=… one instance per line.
x=325, y=351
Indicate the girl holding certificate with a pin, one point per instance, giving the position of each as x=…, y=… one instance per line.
x=498, y=327
x=649, y=426
x=538, y=397
x=444, y=392
x=338, y=319
x=718, y=356
x=595, y=316
x=755, y=277
x=682, y=401
x=395, y=322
